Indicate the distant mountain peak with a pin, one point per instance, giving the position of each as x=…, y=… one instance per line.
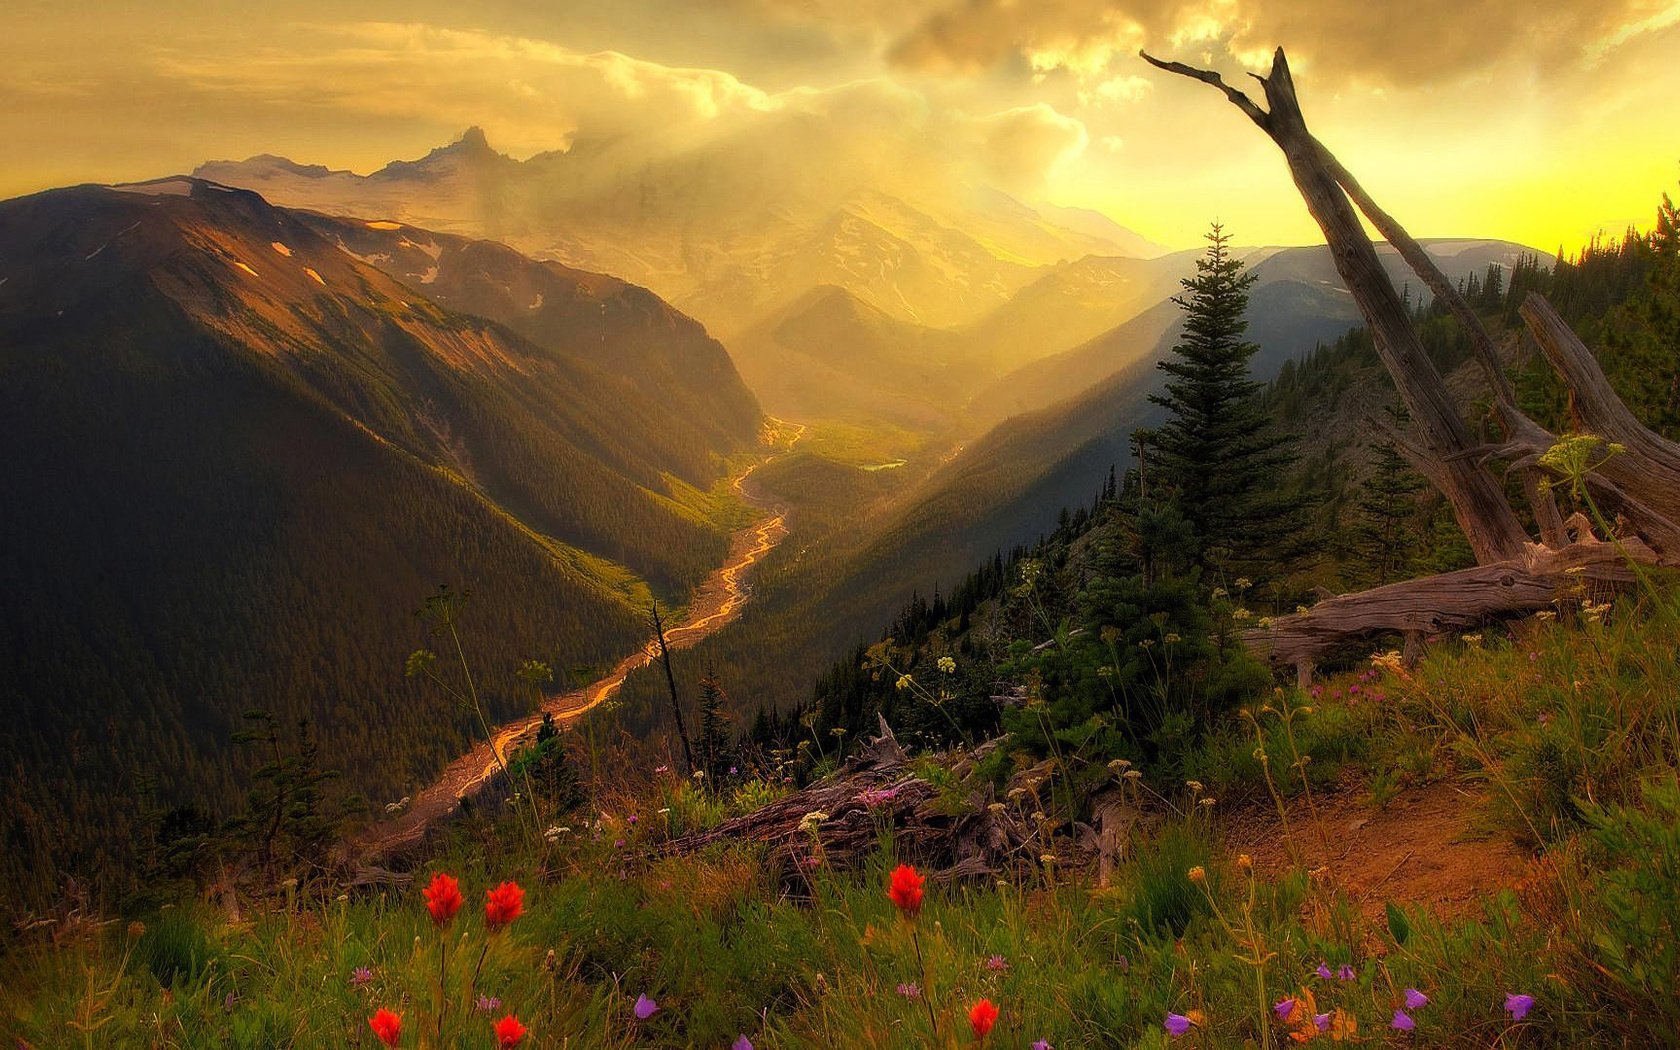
x=472, y=140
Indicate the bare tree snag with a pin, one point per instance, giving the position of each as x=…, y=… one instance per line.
x=1639, y=485
x=1477, y=498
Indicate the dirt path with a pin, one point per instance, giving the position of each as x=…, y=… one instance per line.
x=1423, y=848
x=716, y=602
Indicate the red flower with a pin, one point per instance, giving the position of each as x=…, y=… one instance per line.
x=503, y=904
x=509, y=1031
x=982, y=1017
x=443, y=898
x=906, y=890
x=387, y=1026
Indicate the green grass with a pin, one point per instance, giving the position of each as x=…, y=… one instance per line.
x=736, y=941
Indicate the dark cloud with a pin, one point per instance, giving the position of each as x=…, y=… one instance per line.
x=1384, y=44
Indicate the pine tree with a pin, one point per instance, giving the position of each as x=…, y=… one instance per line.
x=1217, y=450
x=1384, y=541
x=714, y=728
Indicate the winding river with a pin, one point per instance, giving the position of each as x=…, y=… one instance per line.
x=716, y=602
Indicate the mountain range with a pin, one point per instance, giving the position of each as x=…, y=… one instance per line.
x=244, y=456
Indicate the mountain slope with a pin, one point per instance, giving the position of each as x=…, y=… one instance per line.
x=1297, y=302
x=250, y=456
x=731, y=231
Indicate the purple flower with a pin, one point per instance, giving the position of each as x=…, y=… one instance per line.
x=645, y=1008
x=1177, y=1024
x=910, y=991
x=997, y=964
x=741, y=1043
x=1401, y=1022
x=487, y=1004
x=1322, y=1021
x=661, y=769
x=361, y=975
x=733, y=771
x=1042, y=1044
x=618, y=844
x=1518, y=1006
x=1283, y=1008
x=632, y=818
x=1415, y=999
x=1324, y=971
x=1344, y=972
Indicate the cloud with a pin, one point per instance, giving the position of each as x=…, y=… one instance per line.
x=1430, y=41
x=1020, y=147
x=529, y=94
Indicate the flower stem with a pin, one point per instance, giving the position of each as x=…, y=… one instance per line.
x=927, y=986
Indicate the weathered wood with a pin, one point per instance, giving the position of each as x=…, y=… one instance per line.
x=874, y=790
x=1476, y=496
x=1453, y=601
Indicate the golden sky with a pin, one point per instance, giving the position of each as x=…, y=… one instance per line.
x=1536, y=122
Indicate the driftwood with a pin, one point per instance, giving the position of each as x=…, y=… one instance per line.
x=1455, y=601
x=1640, y=483
x=874, y=789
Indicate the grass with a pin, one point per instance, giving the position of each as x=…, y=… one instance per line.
x=1569, y=727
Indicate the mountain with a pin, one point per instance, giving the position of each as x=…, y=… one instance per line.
x=832, y=355
x=245, y=456
x=1297, y=301
x=732, y=231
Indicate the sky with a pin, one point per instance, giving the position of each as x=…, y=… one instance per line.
x=1541, y=123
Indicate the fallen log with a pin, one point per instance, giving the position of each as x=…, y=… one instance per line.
x=1538, y=579
x=839, y=821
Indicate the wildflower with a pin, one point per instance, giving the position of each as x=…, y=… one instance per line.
x=1172, y=639
x=910, y=991
x=509, y=1031
x=1344, y=972
x=1132, y=774
x=1283, y=1008
x=1518, y=1006
x=1207, y=801
x=997, y=964
x=644, y=1008
x=996, y=807
x=1415, y=999
x=632, y=819
x=487, y=1004
x=812, y=819
x=1401, y=1022
x=732, y=772
x=443, y=898
x=1197, y=874
x=982, y=1017
x=903, y=683
x=136, y=929
x=360, y=975
x=503, y=904
x=1041, y=1044
x=947, y=665
x=1117, y=764
x=1195, y=785
x=387, y=1026
x=875, y=797
x=618, y=843
x=699, y=774
x=1047, y=859
x=1177, y=1024
x=1324, y=971
x=1240, y=614
x=905, y=890
x=741, y=1043
x=1321, y=1022
x=661, y=770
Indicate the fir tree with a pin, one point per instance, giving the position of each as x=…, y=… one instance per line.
x=1384, y=541
x=714, y=728
x=1217, y=450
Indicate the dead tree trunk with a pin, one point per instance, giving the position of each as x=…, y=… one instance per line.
x=1640, y=483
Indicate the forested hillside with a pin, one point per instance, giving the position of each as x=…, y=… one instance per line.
x=242, y=460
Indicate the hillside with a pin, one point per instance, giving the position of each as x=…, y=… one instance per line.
x=252, y=456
